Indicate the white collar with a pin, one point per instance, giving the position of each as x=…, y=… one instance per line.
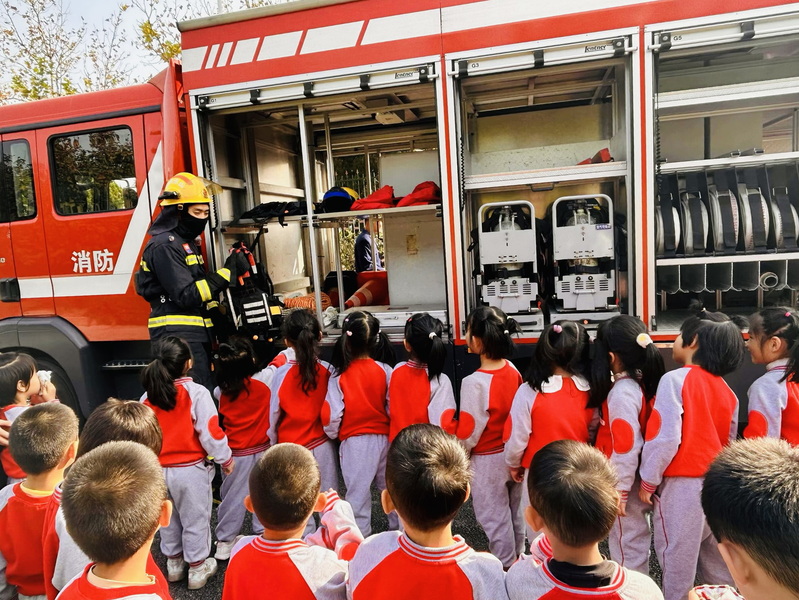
x=780, y=362
x=555, y=383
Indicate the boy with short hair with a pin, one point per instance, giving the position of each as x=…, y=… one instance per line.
x=751, y=501
x=573, y=500
x=115, y=420
x=284, y=492
x=114, y=501
x=43, y=442
x=427, y=479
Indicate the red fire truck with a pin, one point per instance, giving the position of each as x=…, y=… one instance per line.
x=618, y=156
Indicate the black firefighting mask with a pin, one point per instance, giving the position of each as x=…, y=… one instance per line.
x=190, y=227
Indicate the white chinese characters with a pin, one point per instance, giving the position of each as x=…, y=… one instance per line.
x=96, y=261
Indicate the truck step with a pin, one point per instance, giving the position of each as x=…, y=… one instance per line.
x=133, y=364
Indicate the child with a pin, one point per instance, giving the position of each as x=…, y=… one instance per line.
x=694, y=416
x=115, y=420
x=191, y=431
x=114, y=501
x=774, y=397
x=43, y=441
x=624, y=349
x=486, y=397
x=19, y=388
x=243, y=398
x=420, y=390
x=284, y=491
x=555, y=403
x=356, y=412
x=751, y=503
x=428, y=481
x=298, y=389
x=573, y=499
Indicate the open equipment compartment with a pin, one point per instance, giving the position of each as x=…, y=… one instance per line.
x=362, y=132
x=535, y=126
x=726, y=129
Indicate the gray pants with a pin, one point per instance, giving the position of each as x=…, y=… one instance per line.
x=363, y=461
x=189, y=532
x=684, y=544
x=497, y=506
x=325, y=455
x=231, y=511
x=631, y=536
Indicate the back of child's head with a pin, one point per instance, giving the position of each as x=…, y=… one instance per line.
x=750, y=497
x=626, y=337
x=14, y=367
x=235, y=362
x=494, y=329
x=783, y=323
x=361, y=337
x=284, y=486
x=423, y=334
x=112, y=500
x=720, y=344
x=302, y=329
x=563, y=344
x=121, y=420
x=40, y=436
x=572, y=487
x=427, y=476
x=170, y=357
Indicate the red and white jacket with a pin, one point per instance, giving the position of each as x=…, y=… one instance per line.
x=415, y=398
x=486, y=398
x=310, y=569
x=389, y=565
x=694, y=416
x=557, y=412
x=622, y=428
x=356, y=401
x=191, y=429
x=21, y=523
x=10, y=466
x=529, y=578
x=245, y=418
x=81, y=588
x=774, y=405
x=295, y=416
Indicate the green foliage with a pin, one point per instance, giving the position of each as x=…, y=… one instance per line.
x=44, y=56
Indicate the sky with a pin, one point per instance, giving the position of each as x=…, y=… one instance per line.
x=94, y=12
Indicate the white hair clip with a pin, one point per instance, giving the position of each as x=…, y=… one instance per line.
x=506, y=332
x=349, y=333
x=643, y=340
x=431, y=335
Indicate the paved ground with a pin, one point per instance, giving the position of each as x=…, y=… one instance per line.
x=465, y=525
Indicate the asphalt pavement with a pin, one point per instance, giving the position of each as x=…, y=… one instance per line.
x=465, y=525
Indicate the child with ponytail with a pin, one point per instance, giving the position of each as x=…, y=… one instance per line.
x=298, y=389
x=626, y=370
x=774, y=397
x=190, y=426
x=356, y=412
x=554, y=403
x=243, y=397
x=694, y=416
x=486, y=397
x=418, y=391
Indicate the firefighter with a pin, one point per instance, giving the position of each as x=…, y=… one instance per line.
x=172, y=277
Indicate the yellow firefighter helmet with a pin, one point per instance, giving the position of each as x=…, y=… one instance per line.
x=186, y=188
